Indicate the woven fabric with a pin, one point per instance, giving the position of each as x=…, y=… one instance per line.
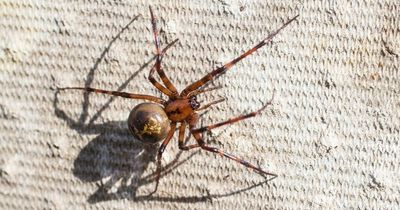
x=332, y=134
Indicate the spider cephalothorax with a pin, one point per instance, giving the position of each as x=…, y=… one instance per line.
x=157, y=121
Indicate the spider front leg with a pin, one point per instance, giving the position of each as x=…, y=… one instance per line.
x=160, y=152
x=210, y=104
x=157, y=65
x=194, y=86
x=158, y=85
x=200, y=91
x=159, y=55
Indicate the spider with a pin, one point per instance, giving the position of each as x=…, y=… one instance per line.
x=156, y=121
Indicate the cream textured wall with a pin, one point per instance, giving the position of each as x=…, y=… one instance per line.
x=332, y=134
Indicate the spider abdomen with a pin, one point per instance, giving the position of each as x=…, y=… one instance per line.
x=149, y=123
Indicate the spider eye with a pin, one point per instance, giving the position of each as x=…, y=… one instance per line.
x=194, y=103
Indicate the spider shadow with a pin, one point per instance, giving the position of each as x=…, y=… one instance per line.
x=114, y=159
x=117, y=162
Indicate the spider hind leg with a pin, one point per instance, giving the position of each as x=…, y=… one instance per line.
x=237, y=159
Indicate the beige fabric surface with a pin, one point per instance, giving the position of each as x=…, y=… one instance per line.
x=332, y=134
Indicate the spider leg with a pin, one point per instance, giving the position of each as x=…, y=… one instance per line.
x=229, y=65
x=237, y=159
x=158, y=85
x=197, y=92
x=182, y=145
x=117, y=93
x=235, y=119
x=151, y=78
x=160, y=152
x=199, y=138
x=160, y=71
x=167, y=47
x=125, y=94
x=210, y=104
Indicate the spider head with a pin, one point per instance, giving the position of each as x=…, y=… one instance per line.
x=194, y=103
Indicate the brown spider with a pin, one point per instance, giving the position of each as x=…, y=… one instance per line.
x=153, y=122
